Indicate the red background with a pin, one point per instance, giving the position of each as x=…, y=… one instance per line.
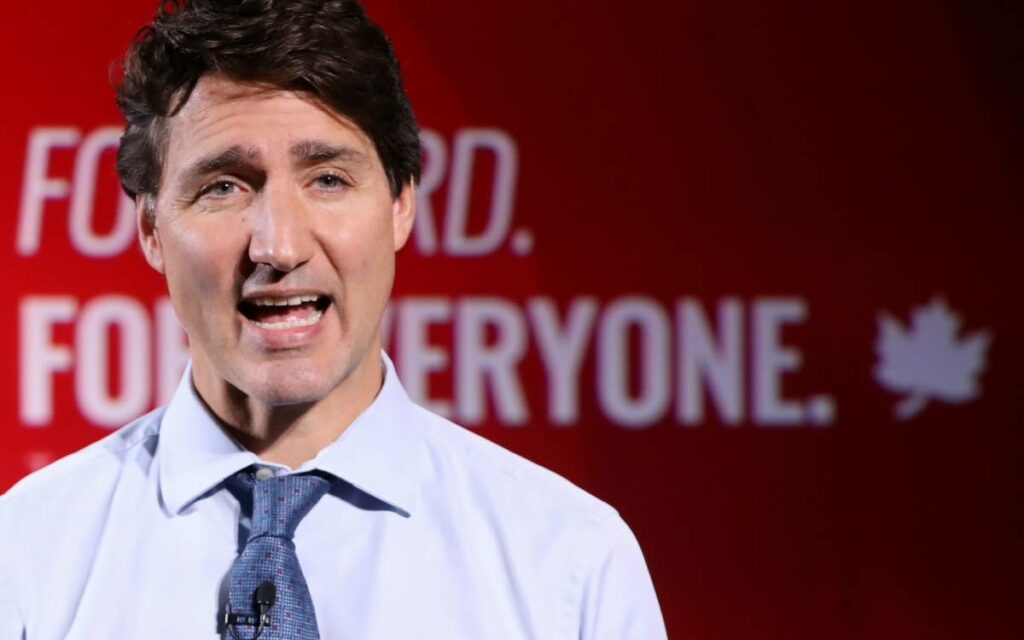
x=862, y=158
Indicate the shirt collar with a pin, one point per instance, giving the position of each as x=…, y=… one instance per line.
x=380, y=453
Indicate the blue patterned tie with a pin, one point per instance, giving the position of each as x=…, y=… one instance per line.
x=278, y=505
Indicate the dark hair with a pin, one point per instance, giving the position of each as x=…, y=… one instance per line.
x=328, y=49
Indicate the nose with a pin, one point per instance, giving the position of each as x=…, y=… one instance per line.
x=280, y=231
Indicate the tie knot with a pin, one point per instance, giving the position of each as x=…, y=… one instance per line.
x=280, y=503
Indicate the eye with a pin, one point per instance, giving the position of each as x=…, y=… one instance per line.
x=220, y=188
x=330, y=181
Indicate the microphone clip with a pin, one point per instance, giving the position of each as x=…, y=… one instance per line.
x=264, y=599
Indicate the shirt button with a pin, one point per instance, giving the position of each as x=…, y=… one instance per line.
x=264, y=472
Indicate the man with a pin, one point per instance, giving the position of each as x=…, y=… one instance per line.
x=290, y=488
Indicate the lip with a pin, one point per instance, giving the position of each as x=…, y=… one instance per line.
x=272, y=339
x=281, y=293
x=278, y=339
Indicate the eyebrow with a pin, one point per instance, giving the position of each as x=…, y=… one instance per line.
x=312, y=151
x=232, y=158
x=306, y=152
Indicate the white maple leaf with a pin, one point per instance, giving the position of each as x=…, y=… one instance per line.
x=928, y=360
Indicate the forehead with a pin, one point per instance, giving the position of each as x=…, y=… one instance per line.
x=222, y=112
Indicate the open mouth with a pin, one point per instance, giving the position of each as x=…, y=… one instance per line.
x=279, y=312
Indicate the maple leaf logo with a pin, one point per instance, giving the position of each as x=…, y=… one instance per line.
x=928, y=361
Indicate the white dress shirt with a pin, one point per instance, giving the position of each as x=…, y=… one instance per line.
x=432, y=532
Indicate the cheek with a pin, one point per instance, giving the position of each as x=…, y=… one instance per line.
x=364, y=257
x=198, y=272
x=364, y=267
x=193, y=266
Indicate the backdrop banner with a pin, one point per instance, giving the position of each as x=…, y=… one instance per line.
x=743, y=270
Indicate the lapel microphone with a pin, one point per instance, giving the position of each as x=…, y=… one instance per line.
x=264, y=598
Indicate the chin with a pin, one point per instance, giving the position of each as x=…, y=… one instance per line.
x=291, y=383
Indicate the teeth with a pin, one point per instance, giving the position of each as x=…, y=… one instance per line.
x=292, y=323
x=282, y=302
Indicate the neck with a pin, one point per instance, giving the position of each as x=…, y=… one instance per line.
x=292, y=434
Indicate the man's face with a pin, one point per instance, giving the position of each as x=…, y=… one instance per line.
x=276, y=230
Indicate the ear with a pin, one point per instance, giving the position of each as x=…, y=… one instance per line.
x=403, y=213
x=149, y=237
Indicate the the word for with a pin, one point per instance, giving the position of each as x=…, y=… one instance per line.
x=41, y=358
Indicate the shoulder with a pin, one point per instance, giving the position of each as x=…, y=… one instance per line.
x=582, y=563
x=494, y=476
x=51, y=522
x=87, y=470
